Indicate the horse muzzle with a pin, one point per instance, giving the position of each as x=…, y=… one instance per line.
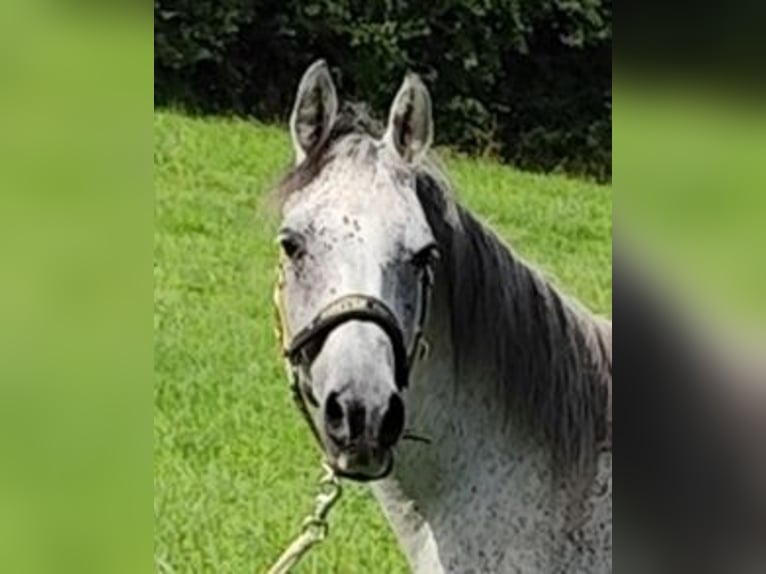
x=359, y=432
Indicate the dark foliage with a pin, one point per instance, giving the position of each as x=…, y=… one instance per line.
x=529, y=80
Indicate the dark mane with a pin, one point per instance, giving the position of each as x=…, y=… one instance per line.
x=551, y=358
x=353, y=118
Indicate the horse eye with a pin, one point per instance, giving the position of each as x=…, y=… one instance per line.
x=426, y=256
x=291, y=244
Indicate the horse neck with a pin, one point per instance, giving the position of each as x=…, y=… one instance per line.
x=458, y=392
x=539, y=357
x=483, y=478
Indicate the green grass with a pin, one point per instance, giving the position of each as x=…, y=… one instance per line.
x=235, y=467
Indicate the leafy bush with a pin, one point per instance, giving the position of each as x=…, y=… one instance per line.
x=529, y=80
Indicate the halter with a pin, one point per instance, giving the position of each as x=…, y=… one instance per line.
x=355, y=307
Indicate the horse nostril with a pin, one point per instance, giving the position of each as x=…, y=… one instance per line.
x=334, y=415
x=393, y=422
x=333, y=410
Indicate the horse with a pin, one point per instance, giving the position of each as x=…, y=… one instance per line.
x=430, y=360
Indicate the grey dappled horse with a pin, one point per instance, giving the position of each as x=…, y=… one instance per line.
x=432, y=361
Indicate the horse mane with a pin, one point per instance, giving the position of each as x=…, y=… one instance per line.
x=551, y=358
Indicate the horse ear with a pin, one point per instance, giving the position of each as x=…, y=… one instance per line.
x=316, y=105
x=410, y=124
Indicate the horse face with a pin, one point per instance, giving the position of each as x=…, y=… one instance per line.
x=356, y=228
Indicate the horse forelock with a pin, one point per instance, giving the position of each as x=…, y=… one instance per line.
x=353, y=127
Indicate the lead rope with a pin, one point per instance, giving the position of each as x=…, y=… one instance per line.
x=315, y=527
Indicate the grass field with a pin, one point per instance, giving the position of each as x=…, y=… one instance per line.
x=234, y=465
